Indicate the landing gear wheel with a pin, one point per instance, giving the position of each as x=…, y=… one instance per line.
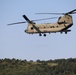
x=40, y=34
x=61, y=32
x=65, y=32
x=44, y=34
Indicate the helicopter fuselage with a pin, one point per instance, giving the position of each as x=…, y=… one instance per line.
x=62, y=25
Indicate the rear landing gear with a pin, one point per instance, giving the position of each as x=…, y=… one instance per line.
x=41, y=35
x=65, y=32
x=44, y=35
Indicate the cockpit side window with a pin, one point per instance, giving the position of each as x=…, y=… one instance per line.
x=31, y=28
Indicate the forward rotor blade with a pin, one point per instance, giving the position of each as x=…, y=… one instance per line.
x=45, y=19
x=25, y=17
x=16, y=23
x=32, y=20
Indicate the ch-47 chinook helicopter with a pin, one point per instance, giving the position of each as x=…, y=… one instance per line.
x=62, y=25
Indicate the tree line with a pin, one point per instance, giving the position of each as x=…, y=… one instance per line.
x=38, y=67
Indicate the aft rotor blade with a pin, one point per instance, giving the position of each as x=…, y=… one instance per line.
x=71, y=12
x=74, y=13
x=52, y=13
x=16, y=23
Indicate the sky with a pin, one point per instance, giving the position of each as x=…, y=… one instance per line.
x=15, y=43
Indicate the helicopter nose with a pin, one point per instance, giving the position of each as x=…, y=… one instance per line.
x=26, y=30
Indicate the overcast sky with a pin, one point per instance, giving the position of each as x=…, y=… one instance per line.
x=15, y=43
